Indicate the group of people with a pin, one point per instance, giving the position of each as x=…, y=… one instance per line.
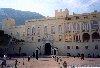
x=59, y=59
x=28, y=59
x=64, y=64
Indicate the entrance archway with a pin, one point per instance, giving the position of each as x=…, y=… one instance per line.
x=86, y=37
x=47, y=49
x=95, y=35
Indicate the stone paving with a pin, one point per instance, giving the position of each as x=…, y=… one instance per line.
x=51, y=63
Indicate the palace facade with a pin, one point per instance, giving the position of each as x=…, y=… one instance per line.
x=63, y=34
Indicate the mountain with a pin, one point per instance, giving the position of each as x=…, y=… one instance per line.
x=19, y=16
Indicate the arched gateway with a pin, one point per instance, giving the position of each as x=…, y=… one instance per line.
x=47, y=49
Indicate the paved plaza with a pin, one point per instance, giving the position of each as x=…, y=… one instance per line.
x=51, y=63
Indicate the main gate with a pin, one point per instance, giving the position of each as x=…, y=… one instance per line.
x=47, y=49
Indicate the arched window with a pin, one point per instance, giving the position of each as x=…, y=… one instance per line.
x=60, y=37
x=86, y=37
x=96, y=46
x=52, y=29
x=66, y=38
x=94, y=24
x=78, y=26
x=28, y=31
x=76, y=37
x=45, y=30
x=74, y=26
x=33, y=30
x=60, y=29
x=70, y=37
x=95, y=35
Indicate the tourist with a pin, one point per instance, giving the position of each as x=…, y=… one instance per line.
x=28, y=58
x=37, y=54
x=23, y=60
x=82, y=56
x=57, y=59
x=3, y=63
x=73, y=66
x=33, y=54
x=16, y=63
x=65, y=64
x=60, y=59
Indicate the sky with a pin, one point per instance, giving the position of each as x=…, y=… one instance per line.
x=48, y=7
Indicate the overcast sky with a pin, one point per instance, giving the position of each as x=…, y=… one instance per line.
x=47, y=7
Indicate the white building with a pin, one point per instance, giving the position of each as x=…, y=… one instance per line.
x=63, y=34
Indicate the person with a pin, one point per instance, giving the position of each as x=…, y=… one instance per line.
x=57, y=59
x=2, y=64
x=23, y=60
x=65, y=64
x=33, y=54
x=82, y=56
x=16, y=63
x=28, y=58
x=37, y=54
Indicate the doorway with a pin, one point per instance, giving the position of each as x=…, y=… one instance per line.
x=47, y=49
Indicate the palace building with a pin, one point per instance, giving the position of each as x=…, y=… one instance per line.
x=63, y=34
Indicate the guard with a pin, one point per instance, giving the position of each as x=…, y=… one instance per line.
x=37, y=54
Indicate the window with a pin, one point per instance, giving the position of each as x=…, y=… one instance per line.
x=85, y=17
x=66, y=38
x=86, y=47
x=76, y=37
x=70, y=27
x=74, y=26
x=88, y=27
x=66, y=28
x=38, y=40
x=86, y=37
x=94, y=25
x=78, y=26
x=28, y=31
x=77, y=47
x=38, y=31
x=32, y=38
x=45, y=30
x=59, y=29
x=69, y=18
x=11, y=33
x=96, y=47
x=77, y=17
x=95, y=35
x=52, y=30
x=94, y=16
x=17, y=34
x=70, y=38
x=60, y=37
x=33, y=31
x=68, y=47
